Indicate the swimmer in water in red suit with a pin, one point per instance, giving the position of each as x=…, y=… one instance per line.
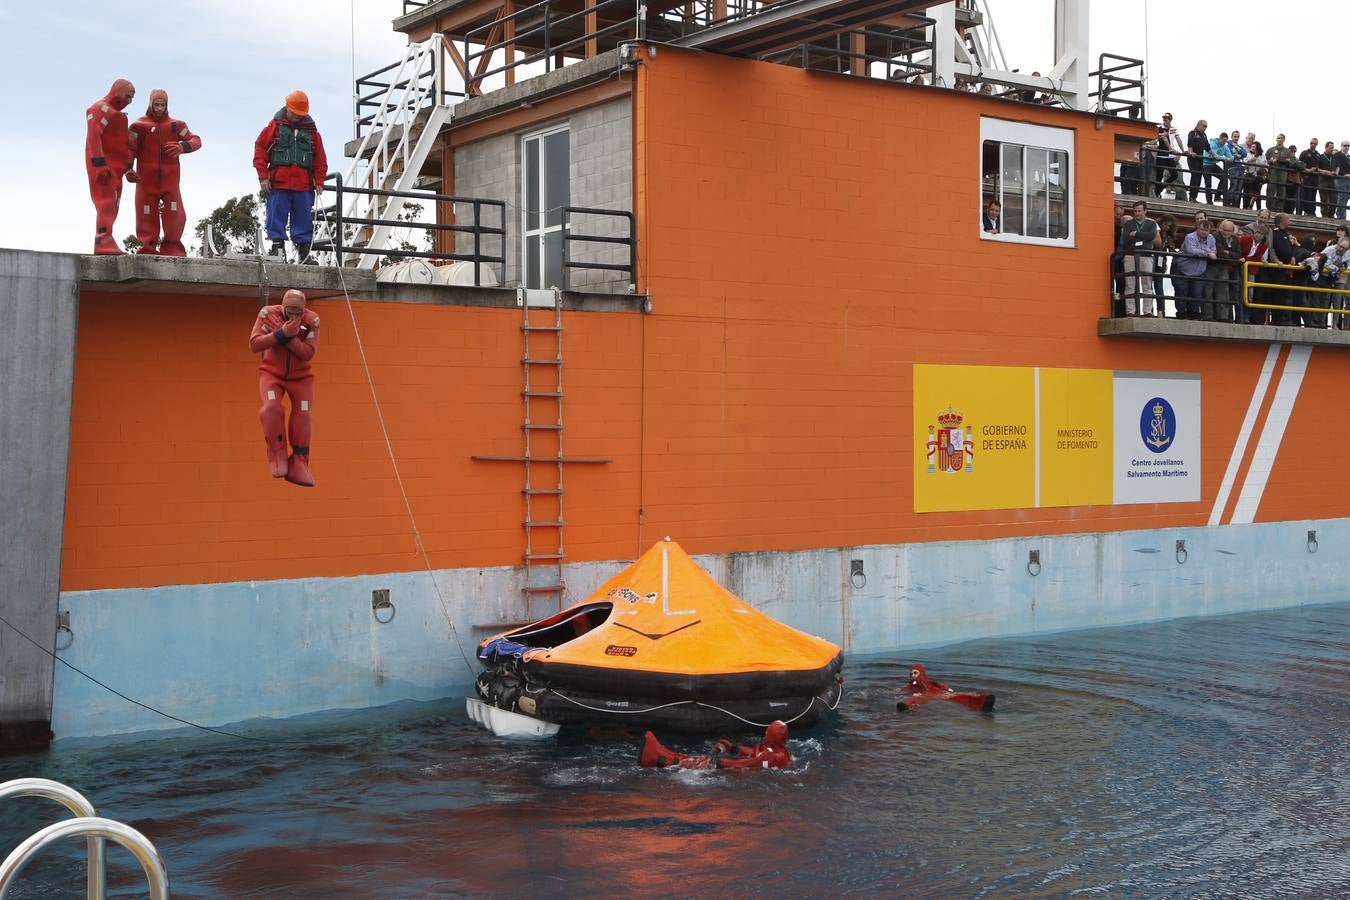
x=921, y=689
x=770, y=753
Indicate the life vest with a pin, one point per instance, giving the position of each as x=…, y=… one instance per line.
x=293, y=147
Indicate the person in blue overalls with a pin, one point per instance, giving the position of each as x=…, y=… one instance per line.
x=291, y=166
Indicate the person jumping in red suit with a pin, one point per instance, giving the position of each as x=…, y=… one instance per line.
x=107, y=159
x=291, y=165
x=770, y=753
x=287, y=336
x=156, y=143
x=921, y=689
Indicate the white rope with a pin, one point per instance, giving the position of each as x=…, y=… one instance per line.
x=393, y=460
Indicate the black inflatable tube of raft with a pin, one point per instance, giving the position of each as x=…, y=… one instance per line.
x=668, y=686
x=691, y=718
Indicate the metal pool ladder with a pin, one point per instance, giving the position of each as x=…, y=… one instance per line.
x=88, y=825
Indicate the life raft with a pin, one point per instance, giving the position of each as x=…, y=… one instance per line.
x=663, y=646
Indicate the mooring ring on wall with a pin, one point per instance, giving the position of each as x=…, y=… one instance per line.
x=66, y=645
x=858, y=580
x=1033, y=563
x=1312, y=542
x=379, y=600
x=1182, y=555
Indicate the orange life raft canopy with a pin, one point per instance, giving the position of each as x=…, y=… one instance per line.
x=662, y=645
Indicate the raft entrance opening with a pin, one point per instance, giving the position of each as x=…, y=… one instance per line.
x=566, y=626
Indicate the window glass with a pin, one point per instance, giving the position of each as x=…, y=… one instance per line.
x=1032, y=184
x=556, y=177
x=1011, y=187
x=532, y=184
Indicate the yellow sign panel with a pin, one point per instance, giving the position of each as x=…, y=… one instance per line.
x=974, y=431
x=1077, y=418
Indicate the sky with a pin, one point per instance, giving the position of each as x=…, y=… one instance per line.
x=227, y=65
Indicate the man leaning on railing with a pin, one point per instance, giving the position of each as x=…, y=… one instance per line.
x=1138, y=237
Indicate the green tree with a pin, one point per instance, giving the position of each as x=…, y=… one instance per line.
x=234, y=225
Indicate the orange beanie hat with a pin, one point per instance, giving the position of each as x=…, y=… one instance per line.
x=297, y=102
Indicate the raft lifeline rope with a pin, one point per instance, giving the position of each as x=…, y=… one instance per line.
x=393, y=460
x=637, y=712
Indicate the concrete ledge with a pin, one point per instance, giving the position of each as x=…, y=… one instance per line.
x=245, y=277
x=1184, y=329
x=427, y=13
x=232, y=277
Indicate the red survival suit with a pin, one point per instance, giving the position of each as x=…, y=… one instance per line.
x=920, y=690
x=287, y=336
x=106, y=159
x=770, y=753
x=156, y=143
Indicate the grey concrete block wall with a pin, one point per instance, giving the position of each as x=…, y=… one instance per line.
x=39, y=297
x=600, y=142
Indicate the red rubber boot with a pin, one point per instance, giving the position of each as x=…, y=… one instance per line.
x=656, y=756
x=297, y=471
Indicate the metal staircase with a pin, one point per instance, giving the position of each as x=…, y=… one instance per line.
x=542, y=362
x=396, y=145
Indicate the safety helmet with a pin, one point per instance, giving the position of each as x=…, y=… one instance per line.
x=297, y=103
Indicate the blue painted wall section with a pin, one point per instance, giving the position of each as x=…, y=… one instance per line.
x=218, y=654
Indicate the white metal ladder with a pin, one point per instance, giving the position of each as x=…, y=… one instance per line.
x=396, y=145
x=88, y=825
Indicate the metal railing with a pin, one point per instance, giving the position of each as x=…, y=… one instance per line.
x=1226, y=291
x=374, y=89
x=88, y=825
x=410, y=6
x=342, y=232
x=1120, y=86
x=1235, y=184
x=74, y=801
x=570, y=237
x=908, y=54
x=555, y=36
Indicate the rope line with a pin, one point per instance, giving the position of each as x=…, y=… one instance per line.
x=114, y=690
x=393, y=460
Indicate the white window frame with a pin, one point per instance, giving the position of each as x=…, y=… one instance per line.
x=538, y=234
x=1040, y=137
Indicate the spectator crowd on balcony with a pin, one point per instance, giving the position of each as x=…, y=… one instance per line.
x=1234, y=169
x=1205, y=268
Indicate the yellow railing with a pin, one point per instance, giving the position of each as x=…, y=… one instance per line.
x=1248, y=284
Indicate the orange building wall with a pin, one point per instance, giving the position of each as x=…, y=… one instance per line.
x=805, y=239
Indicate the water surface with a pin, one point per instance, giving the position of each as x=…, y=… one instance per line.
x=1201, y=757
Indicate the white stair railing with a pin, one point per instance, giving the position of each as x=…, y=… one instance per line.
x=388, y=157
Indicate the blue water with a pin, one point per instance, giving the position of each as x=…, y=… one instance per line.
x=1202, y=757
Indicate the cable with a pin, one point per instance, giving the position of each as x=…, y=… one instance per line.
x=393, y=460
x=113, y=690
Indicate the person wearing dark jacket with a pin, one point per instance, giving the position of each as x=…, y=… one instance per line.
x=1198, y=159
x=1282, y=249
x=291, y=165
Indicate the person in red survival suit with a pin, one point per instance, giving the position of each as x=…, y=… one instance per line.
x=920, y=689
x=770, y=753
x=291, y=165
x=106, y=159
x=287, y=336
x=156, y=143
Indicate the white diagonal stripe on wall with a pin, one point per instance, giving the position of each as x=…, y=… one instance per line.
x=1244, y=435
x=1286, y=393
